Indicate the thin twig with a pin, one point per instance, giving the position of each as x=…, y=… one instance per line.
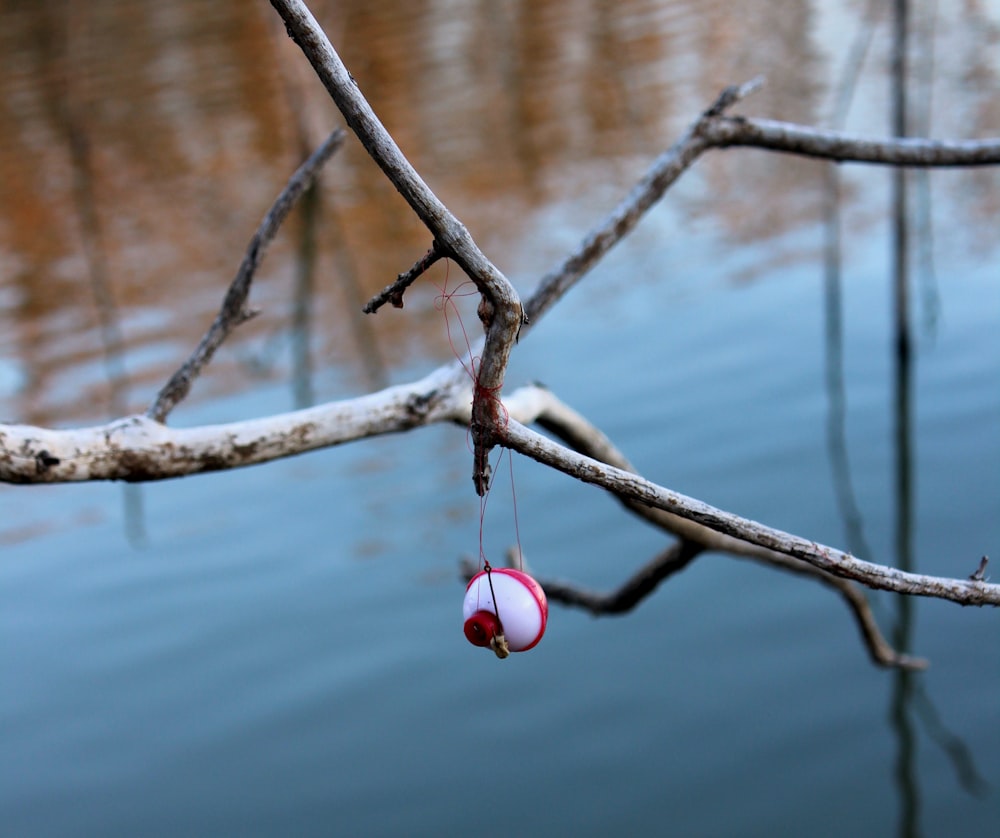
x=393, y=293
x=843, y=147
x=665, y=170
x=635, y=589
x=234, y=311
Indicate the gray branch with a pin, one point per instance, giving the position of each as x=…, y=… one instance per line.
x=551, y=413
x=500, y=309
x=842, y=147
x=714, y=130
x=836, y=562
x=393, y=293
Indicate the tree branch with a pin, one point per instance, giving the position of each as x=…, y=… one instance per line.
x=544, y=408
x=234, y=311
x=966, y=592
x=137, y=448
x=842, y=147
x=393, y=293
x=26, y=453
x=501, y=311
x=713, y=129
x=666, y=169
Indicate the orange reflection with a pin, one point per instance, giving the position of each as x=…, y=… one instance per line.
x=184, y=119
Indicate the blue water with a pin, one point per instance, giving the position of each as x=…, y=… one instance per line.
x=283, y=652
x=278, y=650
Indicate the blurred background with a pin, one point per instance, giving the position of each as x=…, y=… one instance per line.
x=280, y=648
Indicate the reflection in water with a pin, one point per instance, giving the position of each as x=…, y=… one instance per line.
x=367, y=351
x=64, y=102
x=520, y=115
x=908, y=697
x=921, y=124
x=302, y=299
x=903, y=684
x=319, y=228
x=836, y=423
x=507, y=108
x=957, y=751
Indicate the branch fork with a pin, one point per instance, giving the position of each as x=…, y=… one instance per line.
x=451, y=238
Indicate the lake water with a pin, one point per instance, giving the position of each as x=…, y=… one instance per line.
x=278, y=650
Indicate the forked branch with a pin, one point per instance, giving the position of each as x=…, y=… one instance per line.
x=714, y=129
x=502, y=315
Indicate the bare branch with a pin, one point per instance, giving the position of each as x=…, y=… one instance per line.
x=556, y=416
x=635, y=589
x=393, y=293
x=234, y=311
x=966, y=592
x=724, y=132
x=666, y=169
x=713, y=129
x=501, y=308
x=138, y=448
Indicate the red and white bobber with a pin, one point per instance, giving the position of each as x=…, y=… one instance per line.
x=504, y=610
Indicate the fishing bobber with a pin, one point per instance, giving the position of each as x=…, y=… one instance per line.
x=504, y=610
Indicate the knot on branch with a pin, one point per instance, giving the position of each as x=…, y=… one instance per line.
x=44, y=461
x=485, y=312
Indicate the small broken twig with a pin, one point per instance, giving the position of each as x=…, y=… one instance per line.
x=394, y=293
x=979, y=575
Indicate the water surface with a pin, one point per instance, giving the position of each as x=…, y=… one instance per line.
x=278, y=649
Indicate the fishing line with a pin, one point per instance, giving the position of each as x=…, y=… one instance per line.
x=519, y=596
